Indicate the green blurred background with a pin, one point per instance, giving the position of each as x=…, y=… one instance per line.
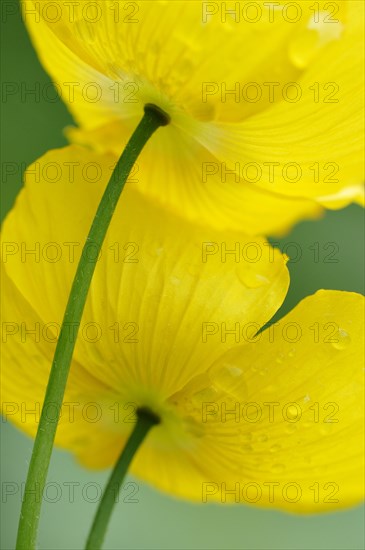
x=30, y=127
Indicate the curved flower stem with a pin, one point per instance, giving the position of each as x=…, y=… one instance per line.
x=145, y=421
x=42, y=450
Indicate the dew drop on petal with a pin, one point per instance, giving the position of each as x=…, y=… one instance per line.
x=291, y=428
x=292, y=412
x=262, y=438
x=249, y=277
x=342, y=338
x=302, y=49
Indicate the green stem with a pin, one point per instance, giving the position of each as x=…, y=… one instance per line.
x=42, y=450
x=145, y=421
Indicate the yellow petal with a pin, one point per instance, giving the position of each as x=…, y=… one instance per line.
x=134, y=42
x=312, y=147
x=159, y=284
x=188, y=313
x=280, y=423
x=180, y=174
x=301, y=411
x=107, y=67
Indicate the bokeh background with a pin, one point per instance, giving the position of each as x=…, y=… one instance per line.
x=31, y=125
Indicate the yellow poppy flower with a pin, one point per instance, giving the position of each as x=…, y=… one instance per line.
x=265, y=100
x=274, y=417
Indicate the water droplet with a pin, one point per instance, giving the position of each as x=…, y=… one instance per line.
x=275, y=448
x=343, y=339
x=291, y=428
x=262, y=438
x=292, y=412
x=277, y=468
x=306, y=398
x=249, y=277
x=291, y=352
x=279, y=358
x=303, y=48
